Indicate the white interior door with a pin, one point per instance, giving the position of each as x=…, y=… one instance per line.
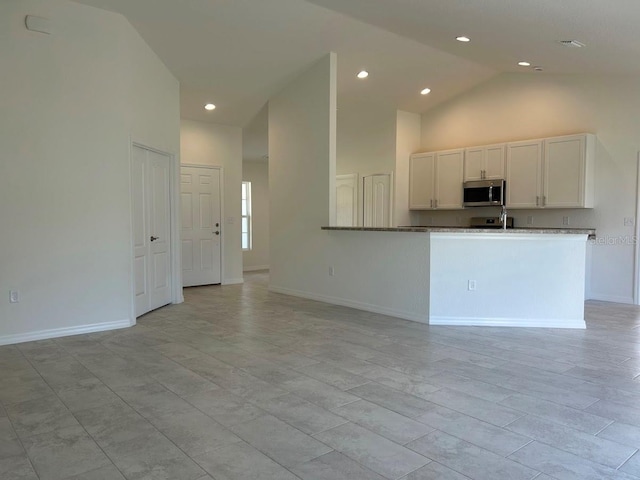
x=201, y=225
x=151, y=205
x=377, y=200
x=347, y=200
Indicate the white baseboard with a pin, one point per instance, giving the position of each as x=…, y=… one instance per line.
x=611, y=298
x=507, y=322
x=232, y=281
x=367, y=307
x=64, y=332
x=255, y=268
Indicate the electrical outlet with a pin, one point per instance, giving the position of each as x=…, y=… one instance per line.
x=529, y=219
x=472, y=285
x=565, y=221
x=14, y=296
x=332, y=272
x=629, y=221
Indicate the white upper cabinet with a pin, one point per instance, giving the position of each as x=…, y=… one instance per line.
x=524, y=174
x=484, y=163
x=569, y=162
x=422, y=181
x=435, y=180
x=554, y=172
x=448, y=185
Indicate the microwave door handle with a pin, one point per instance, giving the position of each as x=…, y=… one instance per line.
x=491, y=193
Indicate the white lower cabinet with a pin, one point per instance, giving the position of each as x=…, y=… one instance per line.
x=435, y=180
x=555, y=172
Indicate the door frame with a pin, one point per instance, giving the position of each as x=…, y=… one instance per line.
x=174, y=231
x=636, y=248
x=222, y=223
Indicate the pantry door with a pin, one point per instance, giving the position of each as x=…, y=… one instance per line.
x=151, y=206
x=201, y=225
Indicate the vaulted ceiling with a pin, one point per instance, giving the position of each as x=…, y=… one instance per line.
x=238, y=53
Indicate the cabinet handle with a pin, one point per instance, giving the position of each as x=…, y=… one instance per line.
x=431, y=203
x=537, y=201
x=435, y=203
x=544, y=200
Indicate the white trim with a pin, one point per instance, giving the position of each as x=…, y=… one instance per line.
x=611, y=298
x=508, y=322
x=232, y=281
x=255, y=268
x=367, y=307
x=64, y=332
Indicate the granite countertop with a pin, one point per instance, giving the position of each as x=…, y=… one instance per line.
x=591, y=232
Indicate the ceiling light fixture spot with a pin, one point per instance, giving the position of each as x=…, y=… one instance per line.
x=463, y=39
x=209, y=106
x=363, y=74
x=538, y=68
x=524, y=64
x=425, y=91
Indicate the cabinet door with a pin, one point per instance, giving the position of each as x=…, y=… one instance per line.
x=524, y=174
x=421, y=181
x=474, y=160
x=564, y=171
x=449, y=173
x=494, y=162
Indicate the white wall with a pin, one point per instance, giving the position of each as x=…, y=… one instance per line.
x=70, y=102
x=521, y=106
x=220, y=145
x=371, y=269
x=258, y=174
x=408, y=141
x=366, y=141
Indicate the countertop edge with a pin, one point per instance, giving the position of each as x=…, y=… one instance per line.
x=591, y=232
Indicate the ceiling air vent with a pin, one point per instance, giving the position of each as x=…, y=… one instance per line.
x=572, y=43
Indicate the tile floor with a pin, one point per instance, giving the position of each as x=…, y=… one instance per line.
x=242, y=384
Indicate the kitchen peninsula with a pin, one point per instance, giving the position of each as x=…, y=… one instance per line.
x=522, y=277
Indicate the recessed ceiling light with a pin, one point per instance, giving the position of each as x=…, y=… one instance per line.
x=363, y=74
x=209, y=106
x=425, y=91
x=462, y=38
x=524, y=64
x=538, y=68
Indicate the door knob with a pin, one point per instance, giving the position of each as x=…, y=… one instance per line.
x=153, y=239
x=217, y=232
x=217, y=224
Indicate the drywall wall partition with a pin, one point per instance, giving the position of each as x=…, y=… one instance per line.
x=375, y=271
x=408, y=141
x=71, y=103
x=302, y=173
x=257, y=172
x=220, y=145
x=521, y=106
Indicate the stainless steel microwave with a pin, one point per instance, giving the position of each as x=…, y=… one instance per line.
x=483, y=193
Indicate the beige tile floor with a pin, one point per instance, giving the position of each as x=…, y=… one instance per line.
x=239, y=384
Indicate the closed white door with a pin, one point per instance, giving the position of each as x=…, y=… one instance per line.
x=151, y=189
x=347, y=200
x=201, y=225
x=377, y=200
